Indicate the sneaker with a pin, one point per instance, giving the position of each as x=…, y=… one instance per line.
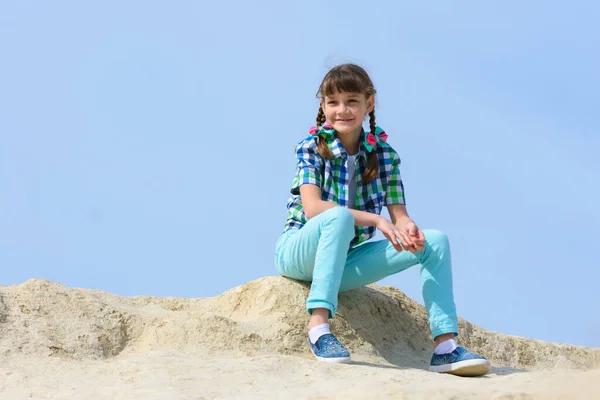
x=460, y=362
x=329, y=349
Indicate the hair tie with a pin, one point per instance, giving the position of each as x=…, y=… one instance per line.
x=325, y=130
x=372, y=139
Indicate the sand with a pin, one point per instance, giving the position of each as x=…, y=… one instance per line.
x=58, y=342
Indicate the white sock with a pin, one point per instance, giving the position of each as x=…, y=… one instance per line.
x=315, y=333
x=447, y=346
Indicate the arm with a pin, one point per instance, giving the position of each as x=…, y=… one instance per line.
x=396, y=205
x=400, y=219
x=395, y=199
x=399, y=214
x=313, y=206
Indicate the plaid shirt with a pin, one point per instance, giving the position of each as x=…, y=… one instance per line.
x=332, y=177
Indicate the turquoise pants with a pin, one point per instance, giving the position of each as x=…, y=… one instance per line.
x=320, y=253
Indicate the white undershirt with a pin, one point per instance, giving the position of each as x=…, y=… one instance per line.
x=352, y=177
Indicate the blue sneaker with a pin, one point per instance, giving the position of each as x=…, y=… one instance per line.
x=460, y=362
x=329, y=349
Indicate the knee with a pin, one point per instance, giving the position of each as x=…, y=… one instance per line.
x=340, y=217
x=436, y=238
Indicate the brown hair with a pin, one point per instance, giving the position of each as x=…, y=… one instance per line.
x=353, y=79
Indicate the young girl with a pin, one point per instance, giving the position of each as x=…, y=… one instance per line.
x=343, y=179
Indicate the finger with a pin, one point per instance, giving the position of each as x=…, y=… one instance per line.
x=412, y=245
x=405, y=236
x=413, y=231
x=388, y=232
x=396, y=243
x=407, y=242
x=415, y=244
x=391, y=236
x=421, y=240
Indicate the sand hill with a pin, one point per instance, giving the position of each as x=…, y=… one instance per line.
x=249, y=342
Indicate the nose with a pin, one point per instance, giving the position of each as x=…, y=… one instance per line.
x=344, y=107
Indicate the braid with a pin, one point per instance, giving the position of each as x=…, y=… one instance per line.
x=372, y=162
x=324, y=149
x=320, y=117
x=372, y=124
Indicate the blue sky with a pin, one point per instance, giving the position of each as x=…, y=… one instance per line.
x=147, y=148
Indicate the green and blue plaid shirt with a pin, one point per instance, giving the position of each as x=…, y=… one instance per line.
x=332, y=177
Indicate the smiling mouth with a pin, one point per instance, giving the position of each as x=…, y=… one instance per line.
x=345, y=119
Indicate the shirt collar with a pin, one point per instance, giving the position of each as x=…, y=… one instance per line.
x=335, y=145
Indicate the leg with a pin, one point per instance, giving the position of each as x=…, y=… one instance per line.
x=317, y=253
x=374, y=261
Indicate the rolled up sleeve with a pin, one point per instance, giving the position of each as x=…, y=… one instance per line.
x=308, y=169
x=395, y=189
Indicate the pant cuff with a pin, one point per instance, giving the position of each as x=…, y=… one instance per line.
x=442, y=330
x=312, y=304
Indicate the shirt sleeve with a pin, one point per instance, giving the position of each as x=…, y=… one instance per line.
x=395, y=190
x=308, y=169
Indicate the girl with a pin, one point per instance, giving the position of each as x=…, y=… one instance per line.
x=344, y=177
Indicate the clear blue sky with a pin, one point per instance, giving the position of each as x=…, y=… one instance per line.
x=147, y=147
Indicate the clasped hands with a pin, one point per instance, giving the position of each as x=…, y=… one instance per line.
x=405, y=235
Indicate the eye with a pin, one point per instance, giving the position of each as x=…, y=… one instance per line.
x=331, y=103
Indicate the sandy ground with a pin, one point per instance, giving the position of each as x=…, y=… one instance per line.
x=176, y=376
x=63, y=343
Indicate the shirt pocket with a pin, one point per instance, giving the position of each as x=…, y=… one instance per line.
x=375, y=202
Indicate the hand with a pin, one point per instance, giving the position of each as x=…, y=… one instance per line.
x=413, y=231
x=393, y=234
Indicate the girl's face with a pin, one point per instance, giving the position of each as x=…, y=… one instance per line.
x=346, y=111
